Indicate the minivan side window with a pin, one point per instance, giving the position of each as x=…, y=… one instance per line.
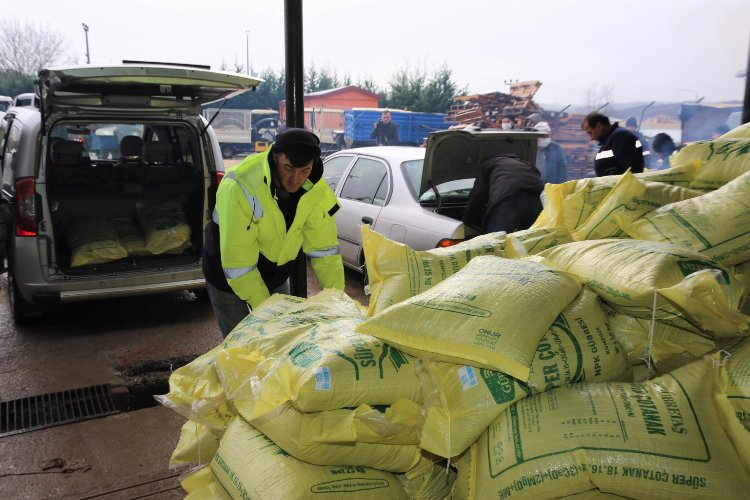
x=367, y=182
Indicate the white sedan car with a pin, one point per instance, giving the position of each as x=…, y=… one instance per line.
x=414, y=195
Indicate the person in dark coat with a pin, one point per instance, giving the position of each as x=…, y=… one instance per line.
x=619, y=149
x=505, y=195
x=385, y=131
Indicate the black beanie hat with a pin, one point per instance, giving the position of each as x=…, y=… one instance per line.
x=297, y=139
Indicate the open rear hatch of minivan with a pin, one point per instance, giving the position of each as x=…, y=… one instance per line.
x=128, y=166
x=452, y=161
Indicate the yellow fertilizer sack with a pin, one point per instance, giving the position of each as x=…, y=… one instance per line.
x=461, y=401
x=428, y=480
x=399, y=423
x=629, y=199
x=738, y=388
x=716, y=224
x=201, y=484
x=195, y=391
x=197, y=444
x=671, y=437
x=93, y=241
x=628, y=273
x=488, y=315
x=396, y=272
x=313, y=358
x=721, y=160
x=741, y=132
x=532, y=241
x=249, y=465
x=668, y=347
x=164, y=226
x=680, y=175
x=330, y=438
x=130, y=236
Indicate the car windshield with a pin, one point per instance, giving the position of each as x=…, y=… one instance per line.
x=459, y=188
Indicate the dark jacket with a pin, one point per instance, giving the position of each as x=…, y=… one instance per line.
x=550, y=162
x=385, y=134
x=500, y=175
x=619, y=151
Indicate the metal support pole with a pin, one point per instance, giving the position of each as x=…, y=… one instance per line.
x=295, y=109
x=86, y=33
x=247, y=51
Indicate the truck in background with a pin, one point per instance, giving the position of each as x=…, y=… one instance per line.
x=242, y=131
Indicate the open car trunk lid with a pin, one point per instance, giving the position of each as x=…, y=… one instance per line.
x=137, y=86
x=456, y=154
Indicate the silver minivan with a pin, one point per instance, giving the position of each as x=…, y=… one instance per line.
x=109, y=184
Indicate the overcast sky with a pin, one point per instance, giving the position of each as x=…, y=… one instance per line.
x=663, y=50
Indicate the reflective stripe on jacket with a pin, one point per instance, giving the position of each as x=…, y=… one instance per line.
x=251, y=223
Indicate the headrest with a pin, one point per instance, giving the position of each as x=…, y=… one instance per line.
x=156, y=152
x=67, y=152
x=131, y=147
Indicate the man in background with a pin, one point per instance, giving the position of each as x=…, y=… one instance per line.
x=619, y=149
x=384, y=131
x=550, y=157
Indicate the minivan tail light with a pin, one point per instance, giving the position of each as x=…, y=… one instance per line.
x=447, y=242
x=219, y=177
x=25, y=207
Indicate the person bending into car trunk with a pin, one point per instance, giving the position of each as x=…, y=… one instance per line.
x=271, y=205
x=505, y=195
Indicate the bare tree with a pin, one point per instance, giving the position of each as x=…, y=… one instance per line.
x=26, y=48
x=596, y=96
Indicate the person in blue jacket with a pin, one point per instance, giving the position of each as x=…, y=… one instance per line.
x=550, y=157
x=619, y=149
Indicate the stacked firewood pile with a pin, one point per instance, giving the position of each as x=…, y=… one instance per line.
x=487, y=111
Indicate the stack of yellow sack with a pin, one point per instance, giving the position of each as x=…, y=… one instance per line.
x=602, y=352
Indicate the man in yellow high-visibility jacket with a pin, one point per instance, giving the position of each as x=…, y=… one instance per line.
x=271, y=205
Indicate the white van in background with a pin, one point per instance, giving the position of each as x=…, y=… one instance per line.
x=28, y=100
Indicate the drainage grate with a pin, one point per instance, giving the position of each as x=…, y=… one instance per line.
x=47, y=410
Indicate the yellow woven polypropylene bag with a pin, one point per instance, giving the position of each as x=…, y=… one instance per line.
x=671, y=437
x=396, y=272
x=313, y=358
x=428, y=480
x=738, y=388
x=164, y=226
x=330, y=438
x=201, y=484
x=664, y=345
x=716, y=224
x=195, y=391
x=461, y=401
x=94, y=241
x=629, y=199
x=249, y=465
x=741, y=132
x=197, y=444
x=488, y=314
x=721, y=160
x=628, y=273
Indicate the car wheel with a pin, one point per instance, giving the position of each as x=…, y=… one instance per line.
x=227, y=151
x=22, y=309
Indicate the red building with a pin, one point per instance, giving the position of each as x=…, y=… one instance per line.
x=324, y=110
